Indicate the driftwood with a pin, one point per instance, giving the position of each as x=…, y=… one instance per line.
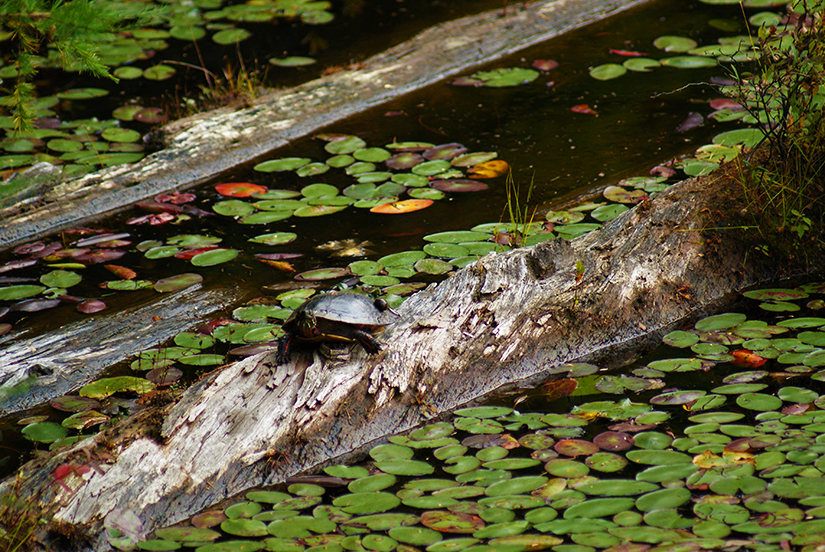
x=505, y=320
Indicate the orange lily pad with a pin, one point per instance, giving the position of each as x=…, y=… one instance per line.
x=239, y=189
x=490, y=169
x=399, y=207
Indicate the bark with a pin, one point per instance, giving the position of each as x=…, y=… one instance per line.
x=198, y=148
x=507, y=320
x=35, y=369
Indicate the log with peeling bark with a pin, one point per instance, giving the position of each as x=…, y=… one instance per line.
x=507, y=320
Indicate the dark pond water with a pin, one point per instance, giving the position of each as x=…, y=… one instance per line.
x=568, y=157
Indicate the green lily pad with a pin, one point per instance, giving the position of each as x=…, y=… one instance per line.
x=608, y=71
x=283, y=164
x=720, y=322
x=366, y=502
x=230, y=36
x=14, y=293
x=670, y=43
x=233, y=208
x=599, y=507
x=277, y=238
x=60, y=279
x=214, y=257
x=508, y=76
x=689, y=62
x=405, y=467
x=748, y=137
x=106, y=387
x=292, y=61
x=177, y=283
x=759, y=402
x=159, y=72
x=44, y=432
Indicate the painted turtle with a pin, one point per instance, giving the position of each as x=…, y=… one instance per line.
x=336, y=316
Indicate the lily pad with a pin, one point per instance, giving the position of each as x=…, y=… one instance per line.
x=608, y=71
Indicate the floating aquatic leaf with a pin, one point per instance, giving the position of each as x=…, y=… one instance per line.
x=13, y=293
x=459, y=185
x=671, y=43
x=460, y=236
x=214, y=257
x=239, y=189
x=448, y=522
x=720, y=322
x=584, y=109
x=44, y=432
x=431, y=168
x=292, y=61
x=680, y=339
x=366, y=502
x=105, y=387
x=230, y=36
x=642, y=65
x=283, y=164
x=608, y=71
x=501, y=77
x=400, y=207
x=608, y=212
x=688, y=62
x=748, y=137
x=444, y=151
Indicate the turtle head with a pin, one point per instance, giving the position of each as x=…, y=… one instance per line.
x=306, y=324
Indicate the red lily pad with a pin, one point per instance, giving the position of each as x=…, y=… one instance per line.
x=189, y=253
x=91, y=306
x=151, y=115
x=449, y=522
x=121, y=272
x=575, y=447
x=239, y=189
x=544, y=64
x=404, y=160
x=459, y=185
x=444, y=151
x=35, y=305
x=164, y=376
x=583, y=108
x=747, y=359
x=613, y=440
x=175, y=197
x=74, y=403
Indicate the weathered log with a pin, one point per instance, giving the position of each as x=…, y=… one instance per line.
x=35, y=369
x=505, y=320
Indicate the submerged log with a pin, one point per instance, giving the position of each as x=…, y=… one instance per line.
x=36, y=369
x=507, y=320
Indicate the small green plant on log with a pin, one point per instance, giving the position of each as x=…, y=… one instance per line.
x=520, y=215
x=785, y=93
x=70, y=31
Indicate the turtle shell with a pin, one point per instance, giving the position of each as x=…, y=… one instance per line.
x=344, y=307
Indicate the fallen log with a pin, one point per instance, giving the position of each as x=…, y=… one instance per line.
x=36, y=369
x=509, y=319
